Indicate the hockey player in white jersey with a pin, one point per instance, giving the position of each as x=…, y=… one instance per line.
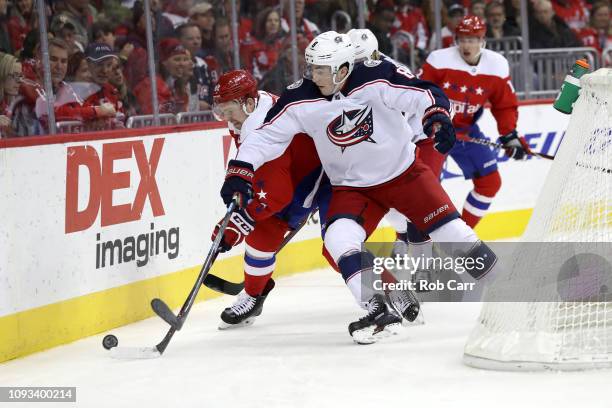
x=366, y=49
x=364, y=143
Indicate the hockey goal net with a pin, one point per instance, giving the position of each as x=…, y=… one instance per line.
x=574, y=206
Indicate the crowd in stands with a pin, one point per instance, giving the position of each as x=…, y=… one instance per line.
x=98, y=56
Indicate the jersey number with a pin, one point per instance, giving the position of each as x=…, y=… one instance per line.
x=405, y=72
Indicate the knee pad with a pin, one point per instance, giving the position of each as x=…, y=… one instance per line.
x=344, y=236
x=488, y=185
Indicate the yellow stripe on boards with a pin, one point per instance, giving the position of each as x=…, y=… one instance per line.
x=504, y=224
x=48, y=326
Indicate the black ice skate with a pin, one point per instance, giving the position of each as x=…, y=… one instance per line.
x=380, y=321
x=406, y=303
x=245, y=310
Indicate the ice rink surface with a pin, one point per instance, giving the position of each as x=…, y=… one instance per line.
x=299, y=354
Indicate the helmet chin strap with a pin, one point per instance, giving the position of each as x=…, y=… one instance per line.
x=338, y=85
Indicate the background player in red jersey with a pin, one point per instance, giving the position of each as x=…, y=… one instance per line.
x=286, y=190
x=471, y=76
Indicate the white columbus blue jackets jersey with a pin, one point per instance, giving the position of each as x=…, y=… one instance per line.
x=413, y=121
x=360, y=134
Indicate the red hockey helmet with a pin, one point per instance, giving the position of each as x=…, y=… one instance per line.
x=238, y=84
x=471, y=26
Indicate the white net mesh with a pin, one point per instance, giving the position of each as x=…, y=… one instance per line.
x=575, y=205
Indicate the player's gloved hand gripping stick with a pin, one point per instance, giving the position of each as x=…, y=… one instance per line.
x=501, y=146
x=438, y=124
x=238, y=182
x=162, y=310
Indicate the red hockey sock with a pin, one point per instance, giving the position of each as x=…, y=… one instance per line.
x=254, y=285
x=469, y=218
x=479, y=200
x=387, y=277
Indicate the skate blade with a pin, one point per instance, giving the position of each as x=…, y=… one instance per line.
x=245, y=323
x=374, y=334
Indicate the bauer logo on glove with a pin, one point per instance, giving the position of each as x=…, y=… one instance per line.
x=238, y=183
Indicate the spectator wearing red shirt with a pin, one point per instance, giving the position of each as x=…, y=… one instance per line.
x=304, y=26
x=109, y=113
x=172, y=88
x=598, y=33
x=69, y=103
x=245, y=24
x=262, y=52
x=136, y=67
x=575, y=13
x=455, y=14
x=22, y=21
x=410, y=18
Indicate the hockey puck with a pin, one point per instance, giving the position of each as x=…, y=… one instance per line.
x=110, y=341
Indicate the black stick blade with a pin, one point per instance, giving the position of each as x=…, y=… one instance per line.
x=163, y=311
x=221, y=285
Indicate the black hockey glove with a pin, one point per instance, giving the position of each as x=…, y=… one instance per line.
x=516, y=147
x=238, y=182
x=437, y=123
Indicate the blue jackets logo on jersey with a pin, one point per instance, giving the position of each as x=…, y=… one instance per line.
x=352, y=127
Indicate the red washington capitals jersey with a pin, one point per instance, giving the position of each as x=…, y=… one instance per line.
x=469, y=87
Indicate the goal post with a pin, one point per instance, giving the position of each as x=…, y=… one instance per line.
x=574, y=206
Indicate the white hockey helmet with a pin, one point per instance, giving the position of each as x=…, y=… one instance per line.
x=365, y=44
x=331, y=49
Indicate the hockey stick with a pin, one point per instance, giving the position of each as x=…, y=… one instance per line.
x=219, y=284
x=489, y=143
x=542, y=155
x=163, y=311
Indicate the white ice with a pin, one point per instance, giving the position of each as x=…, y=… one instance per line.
x=299, y=354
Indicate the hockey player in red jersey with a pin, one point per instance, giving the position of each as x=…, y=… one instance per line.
x=286, y=190
x=471, y=76
x=354, y=114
